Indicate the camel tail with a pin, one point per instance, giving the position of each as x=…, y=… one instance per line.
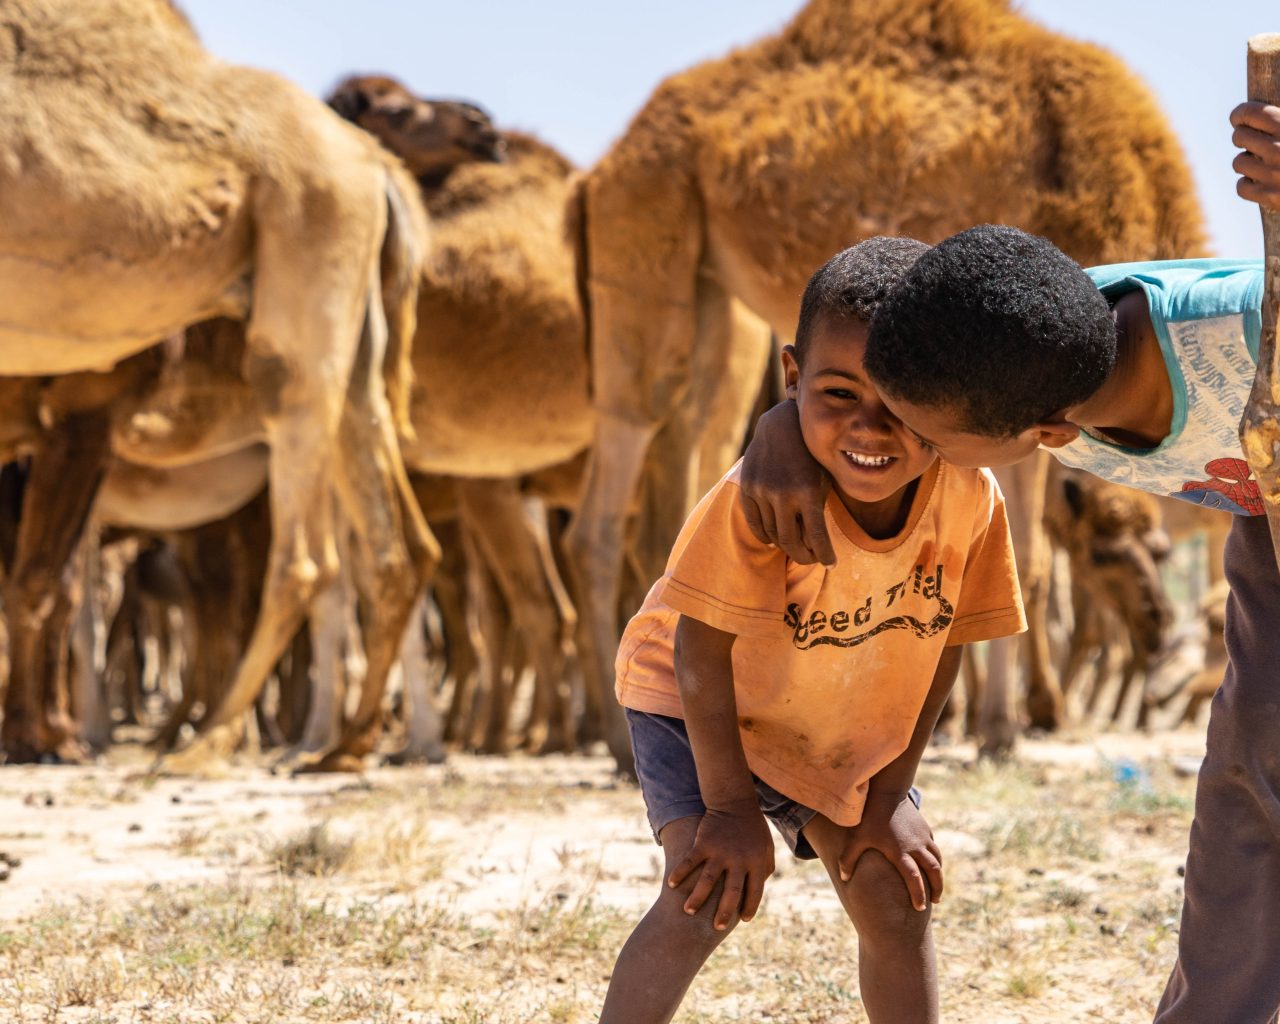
x=403, y=252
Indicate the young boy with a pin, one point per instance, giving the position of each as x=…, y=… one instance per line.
x=758, y=688
x=996, y=343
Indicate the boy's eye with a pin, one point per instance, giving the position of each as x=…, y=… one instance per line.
x=922, y=442
x=842, y=393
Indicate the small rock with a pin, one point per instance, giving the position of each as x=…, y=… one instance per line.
x=175, y=799
x=1100, y=910
x=48, y=800
x=4, y=874
x=135, y=827
x=1182, y=871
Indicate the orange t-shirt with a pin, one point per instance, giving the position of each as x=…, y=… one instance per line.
x=830, y=666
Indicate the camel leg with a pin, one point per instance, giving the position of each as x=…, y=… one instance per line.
x=975, y=684
x=64, y=479
x=566, y=617
x=494, y=512
x=1035, y=567
x=300, y=354
x=487, y=719
x=449, y=591
x=997, y=718
x=397, y=552
x=424, y=728
x=325, y=673
x=595, y=542
x=736, y=390
x=88, y=634
x=591, y=721
x=1081, y=636
x=122, y=659
x=294, y=688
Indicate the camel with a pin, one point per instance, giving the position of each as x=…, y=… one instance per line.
x=1115, y=543
x=501, y=300
x=861, y=117
x=146, y=186
x=432, y=136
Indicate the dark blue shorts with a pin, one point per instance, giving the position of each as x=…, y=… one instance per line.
x=669, y=782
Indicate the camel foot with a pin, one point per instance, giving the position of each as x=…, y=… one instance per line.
x=334, y=761
x=68, y=752
x=430, y=753
x=544, y=741
x=206, y=757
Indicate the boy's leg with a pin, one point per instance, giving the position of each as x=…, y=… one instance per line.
x=667, y=948
x=897, y=970
x=1228, y=968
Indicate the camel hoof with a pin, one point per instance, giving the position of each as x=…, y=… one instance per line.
x=334, y=761
x=432, y=753
x=205, y=758
x=289, y=761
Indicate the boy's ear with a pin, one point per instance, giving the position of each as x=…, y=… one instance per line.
x=790, y=370
x=1056, y=432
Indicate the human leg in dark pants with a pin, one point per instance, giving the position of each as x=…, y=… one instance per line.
x=1228, y=969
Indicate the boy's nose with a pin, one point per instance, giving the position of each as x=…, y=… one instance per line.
x=874, y=416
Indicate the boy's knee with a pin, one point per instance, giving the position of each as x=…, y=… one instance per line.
x=694, y=929
x=879, y=903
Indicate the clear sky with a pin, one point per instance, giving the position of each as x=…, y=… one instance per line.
x=574, y=71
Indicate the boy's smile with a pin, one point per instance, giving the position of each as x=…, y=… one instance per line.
x=871, y=457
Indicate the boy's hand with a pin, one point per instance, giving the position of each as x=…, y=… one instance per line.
x=784, y=489
x=895, y=827
x=1257, y=132
x=737, y=845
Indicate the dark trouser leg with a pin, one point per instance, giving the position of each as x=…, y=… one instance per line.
x=1228, y=969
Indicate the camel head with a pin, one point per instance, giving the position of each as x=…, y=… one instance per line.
x=432, y=137
x=1118, y=546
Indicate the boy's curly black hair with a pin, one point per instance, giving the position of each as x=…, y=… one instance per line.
x=853, y=283
x=998, y=325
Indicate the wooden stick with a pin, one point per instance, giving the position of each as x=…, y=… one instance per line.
x=1260, y=425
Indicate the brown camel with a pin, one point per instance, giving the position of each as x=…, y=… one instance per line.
x=145, y=186
x=501, y=300
x=914, y=117
x=1114, y=544
x=431, y=136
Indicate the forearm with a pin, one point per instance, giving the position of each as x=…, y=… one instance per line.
x=704, y=676
x=895, y=778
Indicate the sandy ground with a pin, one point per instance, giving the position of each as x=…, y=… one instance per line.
x=1063, y=871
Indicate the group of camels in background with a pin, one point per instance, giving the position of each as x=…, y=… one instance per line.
x=454, y=352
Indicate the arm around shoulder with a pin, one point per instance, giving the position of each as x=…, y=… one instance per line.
x=784, y=489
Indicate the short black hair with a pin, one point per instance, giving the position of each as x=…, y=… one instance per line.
x=997, y=324
x=853, y=283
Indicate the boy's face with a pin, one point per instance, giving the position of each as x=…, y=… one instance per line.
x=939, y=428
x=870, y=455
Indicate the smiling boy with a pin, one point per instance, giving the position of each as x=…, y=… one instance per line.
x=994, y=344
x=759, y=688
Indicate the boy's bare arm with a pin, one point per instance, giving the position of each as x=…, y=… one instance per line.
x=1257, y=132
x=733, y=840
x=890, y=822
x=784, y=489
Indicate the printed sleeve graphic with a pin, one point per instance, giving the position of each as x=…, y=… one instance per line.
x=1230, y=487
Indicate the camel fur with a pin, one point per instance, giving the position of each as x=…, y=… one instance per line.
x=146, y=186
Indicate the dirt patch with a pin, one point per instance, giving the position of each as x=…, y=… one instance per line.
x=499, y=890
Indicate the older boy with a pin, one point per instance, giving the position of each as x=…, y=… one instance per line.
x=996, y=343
x=756, y=687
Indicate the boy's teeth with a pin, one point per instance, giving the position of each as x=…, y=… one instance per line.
x=869, y=460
